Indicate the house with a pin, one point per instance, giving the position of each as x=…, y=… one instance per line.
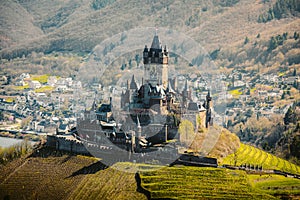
x=34, y=84
x=63, y=128
x=40, y=127
x=61, y=81
x=239, y=83
x=20, y=82
x=291, y=80
x=61, y=88
x=69, y=82
x=24, y=76
x=52, y=80
x=263, y=93
x=8, y=106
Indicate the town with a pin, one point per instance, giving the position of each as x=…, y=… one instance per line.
x=45, y=104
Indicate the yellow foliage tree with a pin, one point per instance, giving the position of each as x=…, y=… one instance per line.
x=186, y=132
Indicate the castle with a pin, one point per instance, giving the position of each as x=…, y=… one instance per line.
x=158, y=97
x=150, y=114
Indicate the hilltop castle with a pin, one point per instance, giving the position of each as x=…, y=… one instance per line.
x=158, y=95
x=150, y=113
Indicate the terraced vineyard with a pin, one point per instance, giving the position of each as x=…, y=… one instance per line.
x=41, y=178
x=276, y=185
x=250, y=155
x=108, y=184
x=182, y=182
x=80, y=177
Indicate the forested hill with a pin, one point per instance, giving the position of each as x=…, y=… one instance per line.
x=78, y=25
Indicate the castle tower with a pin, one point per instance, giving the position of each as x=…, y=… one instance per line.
x=156, y=63
x=186, y=94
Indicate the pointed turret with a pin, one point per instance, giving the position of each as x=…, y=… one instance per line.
x=208, y=100
x=186, y=87
x=138, y=122
x=166, y=51
x=139, y=132
x=155, y=43
x=186, y=94
x=94, y=105
x=133, y=85
x=169, y=88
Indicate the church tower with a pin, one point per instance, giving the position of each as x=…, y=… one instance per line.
x=156, y=63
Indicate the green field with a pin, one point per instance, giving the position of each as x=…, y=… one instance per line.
x=183, y=182
x=276, y=184
x=247, y=154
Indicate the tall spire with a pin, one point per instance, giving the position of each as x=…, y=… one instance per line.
x=169, y=88
x=139, y=128
x=208, y=97
x=133, y=84
x=156, y=42
x=94, y=105
x=186, y=85
x=138, y=122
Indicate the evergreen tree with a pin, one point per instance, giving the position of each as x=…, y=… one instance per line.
x=288, y=118
x=296, y=35
x=246, y=40
x=295, y=84
x=137, y=59
x=270, y=14
x=273, y=44
x=130, y=63
x=1, y=116
x=283, y=95
x=281, y=9
x=261, y=19
x=284, y=35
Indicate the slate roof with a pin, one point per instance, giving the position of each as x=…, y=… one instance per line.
x=133, y=84
x=156, y=43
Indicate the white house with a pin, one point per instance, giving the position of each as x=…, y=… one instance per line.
x=24, y=76
x=52, y=80
x=20, y=82
x=34, y=84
